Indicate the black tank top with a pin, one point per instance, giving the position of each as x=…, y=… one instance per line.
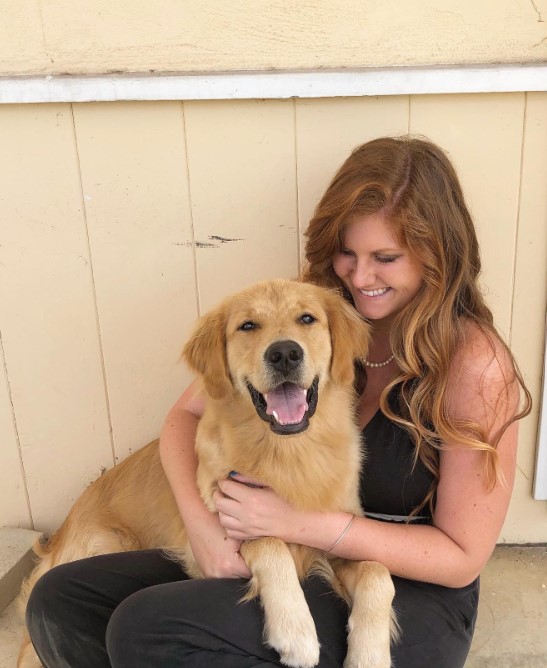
x=391, y=485
x=391, y=488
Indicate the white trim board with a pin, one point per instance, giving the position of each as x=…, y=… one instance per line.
x=274, y=85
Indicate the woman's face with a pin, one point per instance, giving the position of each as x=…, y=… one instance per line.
x=380, y=275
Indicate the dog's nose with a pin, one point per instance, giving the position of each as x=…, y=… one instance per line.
x=284, y=355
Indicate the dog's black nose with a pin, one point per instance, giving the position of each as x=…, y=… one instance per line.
x=284, y=355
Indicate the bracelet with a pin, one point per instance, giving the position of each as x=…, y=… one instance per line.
x=331, y=548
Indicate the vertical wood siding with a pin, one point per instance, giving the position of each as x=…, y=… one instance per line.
x=121, y=223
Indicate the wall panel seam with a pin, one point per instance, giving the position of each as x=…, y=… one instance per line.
x=518, y=219
x=191, y=209
x=409, y=113
x=300, y=231
x=93, y=288
x=16, y=430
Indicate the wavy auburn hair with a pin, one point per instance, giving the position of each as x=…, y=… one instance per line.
x=413, y=184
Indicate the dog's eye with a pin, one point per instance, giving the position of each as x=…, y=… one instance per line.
x=307, y=319
x=247, y=326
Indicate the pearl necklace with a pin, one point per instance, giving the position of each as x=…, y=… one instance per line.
x=377, y=365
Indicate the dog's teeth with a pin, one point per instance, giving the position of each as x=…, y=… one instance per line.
x=276, y=416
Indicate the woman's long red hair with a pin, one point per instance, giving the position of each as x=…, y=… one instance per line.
x=413, y=183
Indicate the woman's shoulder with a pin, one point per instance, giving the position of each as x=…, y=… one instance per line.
x=482, y=373
x=481, y=351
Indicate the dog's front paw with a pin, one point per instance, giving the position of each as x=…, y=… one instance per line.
x=295, y=641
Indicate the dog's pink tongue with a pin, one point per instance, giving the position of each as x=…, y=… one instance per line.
x=288, y=401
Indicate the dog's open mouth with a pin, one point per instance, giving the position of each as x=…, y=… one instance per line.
x=287, y=408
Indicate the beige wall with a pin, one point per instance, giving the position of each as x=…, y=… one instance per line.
x=98, y=36
x=120, y=223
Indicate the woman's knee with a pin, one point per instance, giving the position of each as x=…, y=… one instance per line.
x=124, y=621
x=133, y=630
x=187, y=624
x=46, y=595
x=49, y=617
x=436, y=624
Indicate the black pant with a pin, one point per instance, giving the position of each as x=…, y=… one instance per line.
x=139, y=610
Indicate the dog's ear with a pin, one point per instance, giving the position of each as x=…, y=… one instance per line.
x=205, y=353
x=350, y=336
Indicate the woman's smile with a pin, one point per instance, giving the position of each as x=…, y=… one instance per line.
x=380, y=292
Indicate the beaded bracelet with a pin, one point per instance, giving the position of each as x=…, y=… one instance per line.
x=341, y=535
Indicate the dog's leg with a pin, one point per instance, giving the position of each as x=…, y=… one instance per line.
x=371, y=623
x=289, y=626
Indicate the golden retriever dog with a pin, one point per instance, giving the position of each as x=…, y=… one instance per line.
x=277, y=365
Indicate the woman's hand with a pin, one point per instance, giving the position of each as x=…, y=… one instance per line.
x=216, y=554
x=247, y=512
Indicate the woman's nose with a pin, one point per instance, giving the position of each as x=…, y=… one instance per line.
x=363, y=274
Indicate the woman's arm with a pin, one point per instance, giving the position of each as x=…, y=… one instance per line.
x=216, y=554
x=468, y=517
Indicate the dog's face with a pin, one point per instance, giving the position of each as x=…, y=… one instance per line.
x=277, y=344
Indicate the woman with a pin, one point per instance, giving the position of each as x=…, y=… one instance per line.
x=438, y=406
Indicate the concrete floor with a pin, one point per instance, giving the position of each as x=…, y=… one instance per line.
x=511, y=629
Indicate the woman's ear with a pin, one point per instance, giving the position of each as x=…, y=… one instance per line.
x=350, y=337
x=205, y=353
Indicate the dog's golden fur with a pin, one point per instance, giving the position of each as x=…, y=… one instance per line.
x=314, y=466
